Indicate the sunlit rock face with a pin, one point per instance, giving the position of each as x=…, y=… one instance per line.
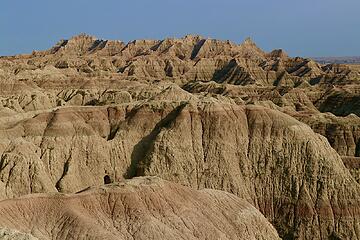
x=274, y=133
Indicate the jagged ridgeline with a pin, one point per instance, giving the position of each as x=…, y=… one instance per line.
x=276, y=138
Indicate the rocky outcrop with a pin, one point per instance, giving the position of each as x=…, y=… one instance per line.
x=353, y=164
x=201, y=112
x=9, y=234
x=273, y=161
x=253, y=164
x=343, y=133
x=142, y=208
x=340, y=101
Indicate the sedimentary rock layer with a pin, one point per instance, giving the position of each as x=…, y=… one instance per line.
x=142, y=208
x=279, y=132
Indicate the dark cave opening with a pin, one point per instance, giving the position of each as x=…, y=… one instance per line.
x=107, y=179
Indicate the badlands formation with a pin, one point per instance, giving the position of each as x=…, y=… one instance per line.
x=189, y=138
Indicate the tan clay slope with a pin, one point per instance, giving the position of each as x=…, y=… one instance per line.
x=292, y=175
x=91, y=111
x=141, y=208
x=11, y=234
x=343, y=133
x=278, y=164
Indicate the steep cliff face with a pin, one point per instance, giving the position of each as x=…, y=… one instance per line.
x=275, y=162
x=142, y=208
x=353, y=164
x=343, y=133
x=268, y=158
x=201, y=112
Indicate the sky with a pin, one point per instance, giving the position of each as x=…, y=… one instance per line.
x=302, y=28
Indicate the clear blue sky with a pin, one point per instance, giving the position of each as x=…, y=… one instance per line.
x=303, y=27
